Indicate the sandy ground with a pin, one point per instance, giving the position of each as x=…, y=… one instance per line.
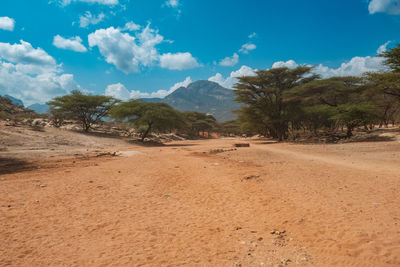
x=179, y=205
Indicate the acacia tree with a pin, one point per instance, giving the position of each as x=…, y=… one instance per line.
x=148, y=117
x=87, y=109
x=195, y=122
x=263, y=94
x=383, y=88
x=337, y=99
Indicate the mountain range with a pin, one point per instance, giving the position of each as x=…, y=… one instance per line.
x=202, y=96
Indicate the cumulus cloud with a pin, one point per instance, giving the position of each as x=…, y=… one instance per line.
x=31, y=74
x=74, y=43
x=24, y=53
x=124, y=51
x=7, y=23
x=101, y=2
x=246, y=48
x=119, y=91
x=356, y=66
x=384, y=6
x=89, y=19
x=230, y=61
x=230, y=81
x=178, y=61
x=289, y=64
x=161, y=93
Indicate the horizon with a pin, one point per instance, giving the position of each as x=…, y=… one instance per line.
x=136, y=49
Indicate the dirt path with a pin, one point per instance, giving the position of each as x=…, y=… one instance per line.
x=267, y=205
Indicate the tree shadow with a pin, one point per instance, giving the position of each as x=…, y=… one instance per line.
x=179, y=145
x=103, y=135
x=12, y=165
x=372, y=138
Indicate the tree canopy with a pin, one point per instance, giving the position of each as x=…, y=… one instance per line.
x=148, y=117
x=87, y=109
x=281, y=101
x=264, y=96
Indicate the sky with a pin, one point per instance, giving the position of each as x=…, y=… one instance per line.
x=149, y=48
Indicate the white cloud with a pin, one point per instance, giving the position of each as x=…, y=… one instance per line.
x=119, y=91
x=246, y=48
x=251, y=36
x=172, y=3
x=7, y=23
x=101, y=2
x=384, y=6
x=131, y=26
x=289, y=64
x=124, y=51
x=24, y=53
x=161, y=93
x=32, y=75
x=354, y=67
x=230, y=81
x=383, y=48
x=230, y=61
x=89, y=19
x=74, y=43
x=178, y=61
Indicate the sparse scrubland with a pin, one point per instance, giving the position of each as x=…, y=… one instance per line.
x=99, y=181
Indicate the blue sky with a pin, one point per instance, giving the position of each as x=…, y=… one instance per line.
x=142, y=48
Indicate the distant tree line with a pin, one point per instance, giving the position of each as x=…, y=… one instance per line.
x=280, y=102
x=146, y=118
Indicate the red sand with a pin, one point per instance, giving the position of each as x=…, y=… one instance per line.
x=338, y=205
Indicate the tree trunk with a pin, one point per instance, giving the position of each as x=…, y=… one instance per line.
x=146, y=133
x=349, y=131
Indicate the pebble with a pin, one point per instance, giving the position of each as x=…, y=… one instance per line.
x=43, y=185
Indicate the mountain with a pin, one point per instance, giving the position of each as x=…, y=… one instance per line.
x=39, y=108
x=10, y=109
x=14, y=100
x=203, y=96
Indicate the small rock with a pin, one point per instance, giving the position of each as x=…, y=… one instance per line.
x=9, y=206
x=260, y=239
x=43, y=185
x=176, y=166
x=36, y=201
x=91, y=182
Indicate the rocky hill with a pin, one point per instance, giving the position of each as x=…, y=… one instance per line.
x=203, y=96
